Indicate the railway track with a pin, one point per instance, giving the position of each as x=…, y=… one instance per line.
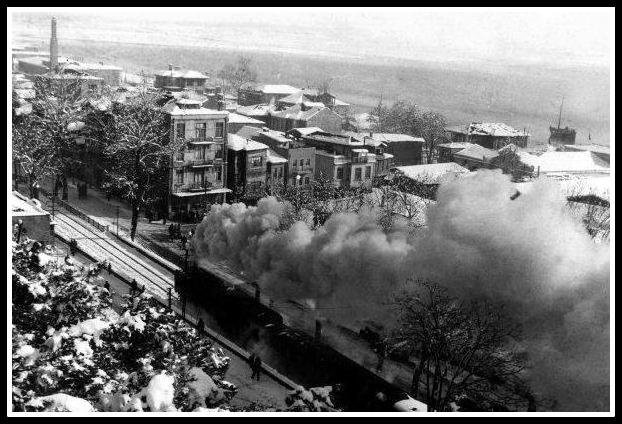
x=121, y=260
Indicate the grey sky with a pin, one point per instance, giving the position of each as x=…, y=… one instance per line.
x=569, y=35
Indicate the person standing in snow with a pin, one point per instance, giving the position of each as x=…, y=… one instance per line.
x=201, y=326
x=256, y=367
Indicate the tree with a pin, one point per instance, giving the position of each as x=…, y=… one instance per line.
x=235, y=75
x=462, y=349
x=409, y=118
x=44, y=140
x=138, y=145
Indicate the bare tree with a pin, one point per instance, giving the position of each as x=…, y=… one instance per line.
x=235, y=75
x=138, y=144
x=409, y=118
x=462, y=349
x=44, y=141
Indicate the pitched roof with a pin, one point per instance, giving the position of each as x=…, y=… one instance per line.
x=455, y=146
x=295, y=112
x=387, y=137
x=255, y=110
x=565, y=162
x=237, y=143
x=434, y=173
x=247, y=131
x=496, y=129
x=477, y=152
x=273, y=88
x=235, y=118
x=273, y=157
x=179, y=73
x=303, y=131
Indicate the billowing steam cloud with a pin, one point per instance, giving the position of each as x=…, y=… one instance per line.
x=528, y=253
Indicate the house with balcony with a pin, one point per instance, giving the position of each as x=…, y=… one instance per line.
x=246, y=167
x=198, y=169
x=348, y=162
x=300, y=165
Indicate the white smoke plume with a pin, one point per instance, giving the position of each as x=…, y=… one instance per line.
x=530, y=254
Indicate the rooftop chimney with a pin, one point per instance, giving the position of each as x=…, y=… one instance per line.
x=53, y=48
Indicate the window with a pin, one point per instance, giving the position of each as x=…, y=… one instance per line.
x=220, y=129
x=198, y=177
x=302, y=163
x=368, y=172
x=218, y=154
x=200, y=130
x=256, y=161
x=181, y=130
x=180, y=155
x=180, y=177
x=308, y=162
x=280, y=172
x=294, y=164
x=201, y=153
x=218, y=174
x=306, y=180
x=357, y=174
x=340, y=173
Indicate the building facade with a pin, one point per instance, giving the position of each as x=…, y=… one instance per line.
x=253, y=94
x=246, y=166
x=300, y=165
x=299, y=117
x=176, y=79
x=198, y=170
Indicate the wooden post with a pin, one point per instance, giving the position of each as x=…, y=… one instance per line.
x=170, y=297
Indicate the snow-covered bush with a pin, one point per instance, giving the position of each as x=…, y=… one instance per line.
x=315, y=399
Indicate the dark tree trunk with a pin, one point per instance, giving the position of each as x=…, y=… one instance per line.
x=135, y=213
x=65, y=187
x=414, y=386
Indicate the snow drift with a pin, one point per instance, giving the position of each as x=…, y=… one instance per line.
x=528, y=253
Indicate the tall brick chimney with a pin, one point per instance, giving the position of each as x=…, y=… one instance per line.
x=53, y=48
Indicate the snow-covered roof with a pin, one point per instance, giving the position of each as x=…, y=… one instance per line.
x=565, y=162
x=179, y=73
x=599, y=186
x=255, y=110
x=341, y=103
x=303, y=131
x=21, y=206
x=248, y=131
x=237, y=143
x=295, y=112
x=434, y=173
x=273, y=157
x=596, y=148
x=477, y=152
x=236, y=118
x=275, y=88
x=173, y=109
x=496, y=129
x=455, y=146
x=386, y=137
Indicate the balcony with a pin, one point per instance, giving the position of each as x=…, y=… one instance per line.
x=200, y=163
x=197, y=186
x=200, y=141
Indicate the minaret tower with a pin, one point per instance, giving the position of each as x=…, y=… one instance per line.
x=53, y=48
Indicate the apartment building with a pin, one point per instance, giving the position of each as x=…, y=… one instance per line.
x=246, y=166
x=198, y=170
x=300, y=166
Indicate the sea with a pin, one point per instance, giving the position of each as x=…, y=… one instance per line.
x=525, y=94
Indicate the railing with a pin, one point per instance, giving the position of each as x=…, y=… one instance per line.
x=74, y=211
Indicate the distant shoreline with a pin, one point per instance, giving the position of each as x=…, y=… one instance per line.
x=461, y=94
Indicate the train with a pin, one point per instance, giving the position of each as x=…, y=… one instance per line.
x=299, y=355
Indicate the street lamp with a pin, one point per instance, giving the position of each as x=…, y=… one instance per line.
x=298, y=177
